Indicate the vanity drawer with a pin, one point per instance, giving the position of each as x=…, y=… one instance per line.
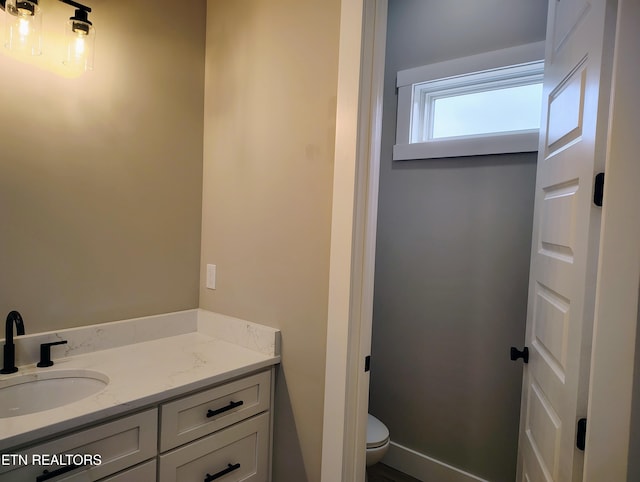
x=195, y=416
x=237, y=453
x=120, y=444
x=142, y=473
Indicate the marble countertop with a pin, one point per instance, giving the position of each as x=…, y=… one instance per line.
x=147, y=372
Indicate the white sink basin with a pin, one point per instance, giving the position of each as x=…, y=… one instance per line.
x=35, y=392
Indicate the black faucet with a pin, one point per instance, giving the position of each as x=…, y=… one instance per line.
x=9, y=347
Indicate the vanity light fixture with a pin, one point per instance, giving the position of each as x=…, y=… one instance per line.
x=23, y=32
x=23, y=29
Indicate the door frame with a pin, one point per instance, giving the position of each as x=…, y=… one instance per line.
x=363, y=28
x=353, y=236
x=617, y=289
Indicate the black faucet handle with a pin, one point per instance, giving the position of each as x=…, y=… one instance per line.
x=45, y=353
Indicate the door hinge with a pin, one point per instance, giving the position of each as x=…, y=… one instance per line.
x=367, y=363
x=598, y=189
x=581, y=438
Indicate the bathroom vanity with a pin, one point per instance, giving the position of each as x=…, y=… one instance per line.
x=194, y=405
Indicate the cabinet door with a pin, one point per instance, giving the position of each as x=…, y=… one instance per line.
x=238, y=453
x=118, y=445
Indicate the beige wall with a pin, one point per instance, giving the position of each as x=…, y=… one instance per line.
x=100, y=176
x=101, y=198
x=271, y=80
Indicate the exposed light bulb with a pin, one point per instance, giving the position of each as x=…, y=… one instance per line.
x=79, y=46
x=23, y=28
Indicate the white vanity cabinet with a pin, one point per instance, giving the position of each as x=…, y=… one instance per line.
x=220, y=433
x=208, y=451
x=121, y=444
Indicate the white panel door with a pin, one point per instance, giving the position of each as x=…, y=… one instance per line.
x=565, y=239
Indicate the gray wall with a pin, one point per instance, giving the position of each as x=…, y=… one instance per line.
x=452, y=259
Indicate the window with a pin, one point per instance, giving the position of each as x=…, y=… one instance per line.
x=490, y=111
x=497, y=101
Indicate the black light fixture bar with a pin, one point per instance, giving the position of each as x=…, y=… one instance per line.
x=76, y=5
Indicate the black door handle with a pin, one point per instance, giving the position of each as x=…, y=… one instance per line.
x=524, y=354
x=46, y=475
x=230, y=468
x=231, y=406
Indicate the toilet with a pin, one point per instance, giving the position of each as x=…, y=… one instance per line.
x=377, y=440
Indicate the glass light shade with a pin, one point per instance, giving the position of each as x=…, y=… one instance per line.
x=80, y=38
x=23, y=31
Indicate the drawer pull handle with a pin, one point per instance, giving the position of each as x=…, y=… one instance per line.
x=231, y=406
x=230, y=468
x=46, y=475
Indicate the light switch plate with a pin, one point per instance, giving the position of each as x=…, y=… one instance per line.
x=211, y=276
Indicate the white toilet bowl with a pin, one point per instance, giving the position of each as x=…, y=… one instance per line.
x=377, y=440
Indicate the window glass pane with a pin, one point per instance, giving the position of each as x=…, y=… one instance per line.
x=492, y=111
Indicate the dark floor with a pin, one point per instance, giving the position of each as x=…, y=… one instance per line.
x=384, y=473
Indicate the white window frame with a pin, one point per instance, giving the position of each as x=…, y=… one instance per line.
x=514, y=66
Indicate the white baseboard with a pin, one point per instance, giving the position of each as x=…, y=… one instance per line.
x=423, y=467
